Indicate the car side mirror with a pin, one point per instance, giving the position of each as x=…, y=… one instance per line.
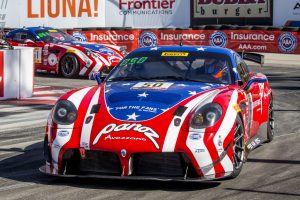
x=254, y=80
x=96, y=76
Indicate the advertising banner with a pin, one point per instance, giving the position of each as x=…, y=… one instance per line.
x=148, y=13
x=239, y=40
x=56, y=13
x=285, y=11
x=242, y=12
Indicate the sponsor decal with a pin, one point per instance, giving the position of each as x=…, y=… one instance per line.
x=287, y=42
x=106, y=51
x=79, y=36
x=1, y=74
x=146, y=7
x=123, y=152
x=175, y=54
x=52, y=59
x=231, y=8
x=152, y=85
x=109, y=137
x=254, y=143
x=218, y=39
x=199, y=150
x=138, y=108
x=195, y=136
x=63, y=133
x=147, y=39
x=132, y=61
x=38, y=54
x=139, y=128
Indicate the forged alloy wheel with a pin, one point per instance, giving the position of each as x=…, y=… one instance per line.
x=238, y=148
x=69, y=66
x=271, y=122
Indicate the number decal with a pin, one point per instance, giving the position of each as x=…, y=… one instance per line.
x=152, y=85
x=132, y=61
x=38, y=55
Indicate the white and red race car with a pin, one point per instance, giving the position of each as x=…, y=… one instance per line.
x=168, y=112
x=58, y=52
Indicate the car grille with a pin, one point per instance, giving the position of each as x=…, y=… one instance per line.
x=159, y=164
x=96, y=162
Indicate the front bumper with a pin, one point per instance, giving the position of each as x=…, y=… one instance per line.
x=46, y=171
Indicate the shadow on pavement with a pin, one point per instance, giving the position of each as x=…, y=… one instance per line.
x=24, y=168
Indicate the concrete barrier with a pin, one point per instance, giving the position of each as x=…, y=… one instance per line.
x=16, y=73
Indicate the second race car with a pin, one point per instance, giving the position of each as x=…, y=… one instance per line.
x=58, y=52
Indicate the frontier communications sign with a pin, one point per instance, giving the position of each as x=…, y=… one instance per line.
x=232, y=8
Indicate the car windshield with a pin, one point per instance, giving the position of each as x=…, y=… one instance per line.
x=54, y=36
x=173, y=65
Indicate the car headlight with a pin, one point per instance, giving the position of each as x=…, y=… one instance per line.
x=206, y=116
x=65, y=112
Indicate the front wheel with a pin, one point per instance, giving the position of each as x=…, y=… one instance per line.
x=238, y=148
x=69, y=66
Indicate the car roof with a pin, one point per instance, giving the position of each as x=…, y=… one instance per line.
x=188, y=48
x=31, y=29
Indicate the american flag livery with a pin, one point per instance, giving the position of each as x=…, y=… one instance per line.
x=125, y=129
x=57, y=52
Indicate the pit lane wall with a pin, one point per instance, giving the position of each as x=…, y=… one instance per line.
x=268, y=41
x=16, y=73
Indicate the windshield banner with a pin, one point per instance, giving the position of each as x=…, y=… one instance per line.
x=239, y=40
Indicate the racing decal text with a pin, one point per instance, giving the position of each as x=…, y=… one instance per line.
x=147, y=131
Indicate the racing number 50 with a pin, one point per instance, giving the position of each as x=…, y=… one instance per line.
x=152, y=85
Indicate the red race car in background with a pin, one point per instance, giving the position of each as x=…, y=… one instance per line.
x=58, y=52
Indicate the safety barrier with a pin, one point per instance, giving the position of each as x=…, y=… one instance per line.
x=16, y=73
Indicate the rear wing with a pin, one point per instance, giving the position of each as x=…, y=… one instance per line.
x=254, y=57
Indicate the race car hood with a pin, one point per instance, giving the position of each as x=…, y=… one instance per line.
x=139, y=101
x=95, y=47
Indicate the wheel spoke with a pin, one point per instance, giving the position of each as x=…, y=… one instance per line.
x=237, y=156
x=239, y=148
x=238, y=138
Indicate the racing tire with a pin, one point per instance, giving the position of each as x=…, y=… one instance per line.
x=270, y=129
x=238, y=148
x=69, y=66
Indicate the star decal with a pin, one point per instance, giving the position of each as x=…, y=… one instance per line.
x=124, y=84
x=201, y=49
x=164, y=110
x=108, y=108
x=154, y=49
x=133, y=116
x=192, y=92
x=143, y=95
x=108, y=90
